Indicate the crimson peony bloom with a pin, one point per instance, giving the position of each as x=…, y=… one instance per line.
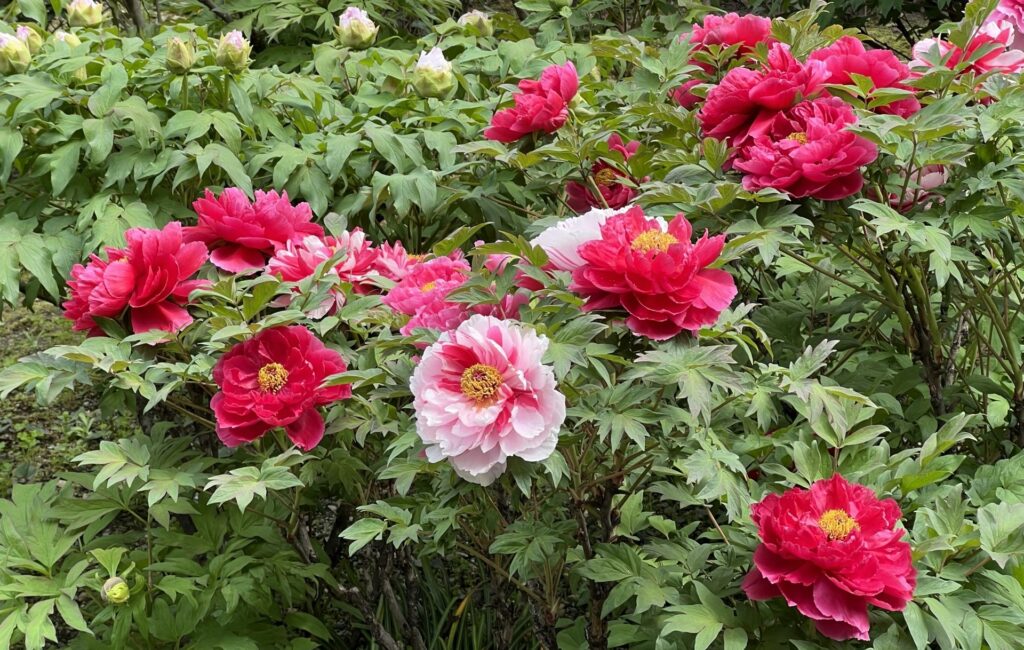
x=149, y=278
x=657, y=275
x=540, y=106
x=242, y=235
x=807, y=151
x=847, y=57
x=481, y=395
x=613, y=193
x=831, y=551
x=744, y=105
x=423, y=291
x=274, y=380
x=998, y=35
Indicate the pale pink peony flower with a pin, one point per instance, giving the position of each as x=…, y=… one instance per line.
x=995, y=39
x=1011, y=11
x=394, y=262
x=562, y=240
x=482, y=395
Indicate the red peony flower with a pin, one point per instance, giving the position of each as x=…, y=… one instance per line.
x=274, y=380
x=422, y=294
x=613, y=193
x=847, y=57
x=996, y=38
x=831, y=551
x=684, y=96
x=541, y=106
x=745, y=30
x=242, y=235
x=744, y=105
x=807, y=151
x=149, y=278
x=658, y=276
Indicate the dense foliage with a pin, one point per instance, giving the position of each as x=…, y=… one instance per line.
x=765, y=389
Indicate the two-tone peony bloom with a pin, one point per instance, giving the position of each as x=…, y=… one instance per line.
x=243, y=235
x=831, y=551
x=657, y=274
x=481, y=395
x=1012, y=12
x=608, y=180
x=540, y=105
x=275, y=380
x=148, y=280
x=995, y=40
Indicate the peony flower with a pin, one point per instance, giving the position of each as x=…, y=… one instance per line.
x=919, y=191
x=149, y=278
x=1011, y=11
x=274, y=380
x=657, y=275
x=84, y=13
x=394, y=262
x=540, y=106
x=241, y=235
x=847, y=57
x=355, y=29
x=30, y=37
x=432, y=76
x=481, y=395
x=684, y=96
x=831, y=551
x=743, y=106
x=995, y=37
x=807, y=151
x=233, y=51
x=613, y=193
x=423, y=291
x=180, y=56
x=561, y=241
x=67, y=37
x=14, y=55
x=476, y=23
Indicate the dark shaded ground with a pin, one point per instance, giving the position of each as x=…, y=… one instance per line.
x=38, y=441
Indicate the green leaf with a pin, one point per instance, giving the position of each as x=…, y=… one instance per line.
x=1002, y=530
x=363, y=532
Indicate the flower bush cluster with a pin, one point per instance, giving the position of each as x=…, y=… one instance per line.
x=517, y=334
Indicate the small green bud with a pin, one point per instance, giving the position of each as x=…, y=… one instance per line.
x=432, y=76
x=116, y=591
x=476, y=23
x=67, y=37
x=85, y=13
x=29, y=37
x=233, y=51
x=180, y=57
x=14, y=55
x=355, y=29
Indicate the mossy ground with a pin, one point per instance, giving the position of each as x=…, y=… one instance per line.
x=38, y=441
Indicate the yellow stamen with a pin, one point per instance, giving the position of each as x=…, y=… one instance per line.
x=480, y=382
x=605, y=177
x=837, y=524
x=653, y=240
x=428, y=286
x=799, y=136
x=272, y=377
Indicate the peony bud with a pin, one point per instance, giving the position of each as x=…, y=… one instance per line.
x=84, y=13
x=67, y=37
x=29, y=37
x=233, y=51
x=14, y=55
x=355, y=29
x=180, y=57
x=116, y=591
x=432, y=76
x=477, y=23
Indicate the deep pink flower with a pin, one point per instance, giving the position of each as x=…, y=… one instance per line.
x=540, y=106
x=149, y=278
x=481, y=395
x=394, y=262
x=997, y=35
x=274, y=380
x=242, y=235
x=559, y=79
x=745, y=30
x=423, y=291
x=847, y=57
x=659, y=276
x=1011, y=11
x=743, y=106
x=614, y=194
x=561, y=241
x=807, y=151
x=831, y=551
x=684, y=96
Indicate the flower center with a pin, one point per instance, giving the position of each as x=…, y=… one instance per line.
x=417, y=257
x=652, y=240
x=429, y=286
x=480, y=382
x=605, y=177
x=799, y=136
x=837, y=524
x=272, y=377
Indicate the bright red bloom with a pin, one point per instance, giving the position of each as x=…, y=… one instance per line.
x=831, y=551
x=743, y=106
x=423, y=291
x=149, y=278
x=542, y=105
x=807, y=151
x=657, y=275
x=847, y=57
x=242, y=235
x=997, y=36
x=613, y=193
x=274, y=380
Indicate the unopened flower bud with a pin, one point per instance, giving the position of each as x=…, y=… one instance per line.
x=180, y=57
x=355, y=29
x=14, y=55
x=432, y=76
x=84, y=13
x=477, y=23
x=116, y=591
x=67, y=37
x=29, y=37
x=233, y=51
